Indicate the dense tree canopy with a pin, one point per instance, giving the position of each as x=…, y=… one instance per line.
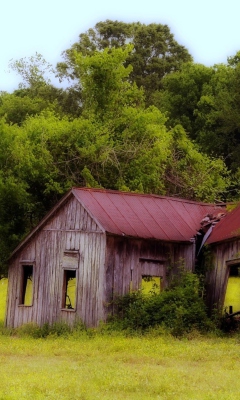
x=206, y=102
x=155, y=52
x=141, y=116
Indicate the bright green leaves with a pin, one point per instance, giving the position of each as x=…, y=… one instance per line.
x=141, y=149
x=116, y=142
x=156, y=52
x=103, y=78
x=192, y=174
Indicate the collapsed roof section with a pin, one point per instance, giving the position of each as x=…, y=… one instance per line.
x=228, y=228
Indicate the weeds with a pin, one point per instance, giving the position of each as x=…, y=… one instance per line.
x=180, y=308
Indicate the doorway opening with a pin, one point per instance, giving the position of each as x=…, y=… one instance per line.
x=232, y=297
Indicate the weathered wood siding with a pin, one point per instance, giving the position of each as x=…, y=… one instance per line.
x=105, y=265
x=218, y=272
x=70, y=229
x=128, y=259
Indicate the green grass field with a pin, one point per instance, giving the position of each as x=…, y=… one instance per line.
x=110, y=366
x=117, y=367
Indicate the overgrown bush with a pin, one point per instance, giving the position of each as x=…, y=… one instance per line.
x=180, y=308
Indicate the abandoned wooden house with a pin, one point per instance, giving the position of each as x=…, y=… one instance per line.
x=223, y=276
x=96, y=243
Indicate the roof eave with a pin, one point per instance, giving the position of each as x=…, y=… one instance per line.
x=229, y=239
x=149, y=238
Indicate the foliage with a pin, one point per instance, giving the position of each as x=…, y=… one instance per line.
x=117, y=143
x=156, y=52
x=192, y=174
x=180, y=95
x=103, y=80
x=205, y=101
x=36, y=92
x=179, y=308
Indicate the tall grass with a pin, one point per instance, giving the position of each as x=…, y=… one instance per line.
x=106, y=364
x=114, y=367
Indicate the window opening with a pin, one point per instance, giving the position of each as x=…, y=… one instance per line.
x=69, y=289
x=232, y=297
x=131, y=282
x=151, y=284
x=27, y=286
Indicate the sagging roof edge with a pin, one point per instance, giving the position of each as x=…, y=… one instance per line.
x=190, y=241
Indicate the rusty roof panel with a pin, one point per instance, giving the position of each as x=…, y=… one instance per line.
x=146, y=222
x=144, y=216
x=227, y=228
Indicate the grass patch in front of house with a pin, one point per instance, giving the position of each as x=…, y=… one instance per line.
x=99, y=366
x=105, y=364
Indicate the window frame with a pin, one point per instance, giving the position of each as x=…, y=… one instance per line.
x=64, y=290
x=69, y=262
x=23, y=283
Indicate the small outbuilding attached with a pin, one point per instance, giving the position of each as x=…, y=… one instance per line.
x=224, y=261
x=96, y=243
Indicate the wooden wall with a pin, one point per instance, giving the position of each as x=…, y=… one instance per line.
x=70, y=230
x=217, y=275
x=128, y=259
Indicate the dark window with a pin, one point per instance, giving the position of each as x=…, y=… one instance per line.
x=234, y=270
x=69, y=289
x=26, y=295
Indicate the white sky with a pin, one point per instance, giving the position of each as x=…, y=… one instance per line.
x=209, y=29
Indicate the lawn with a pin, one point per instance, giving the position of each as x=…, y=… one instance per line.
x=110, y=366
x=117, y=367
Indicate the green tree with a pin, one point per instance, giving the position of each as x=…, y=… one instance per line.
x=144, y=155
x=116, y=143
x=218, y=121
x=206, y=102
x=155, y=54
x=36, y=92
x=180, y=95
x=16, y=107
x=13, y=195
x=105, y=89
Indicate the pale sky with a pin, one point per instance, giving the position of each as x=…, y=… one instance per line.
x=209, y=29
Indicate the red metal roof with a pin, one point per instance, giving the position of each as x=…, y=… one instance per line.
x=144, y=216
x=227, y=228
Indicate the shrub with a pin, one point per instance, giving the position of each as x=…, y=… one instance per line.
x=179, y=308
